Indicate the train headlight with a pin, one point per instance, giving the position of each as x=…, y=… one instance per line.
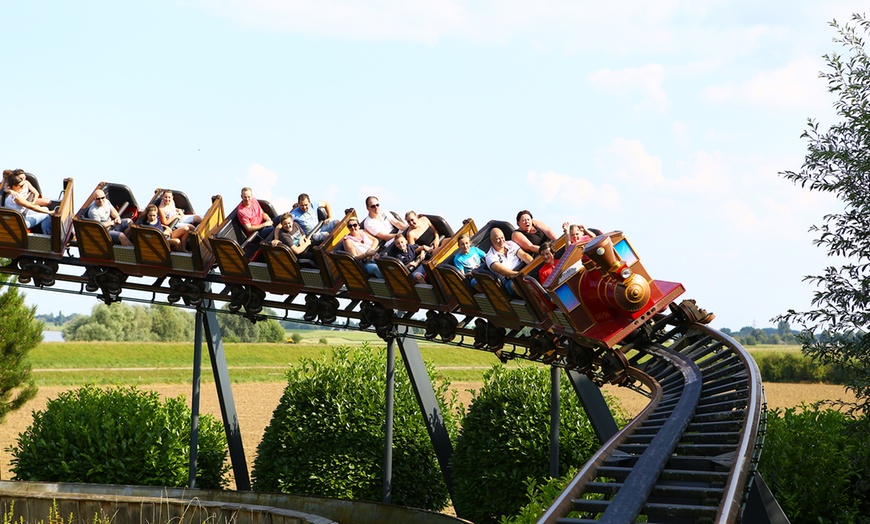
x=625, y=273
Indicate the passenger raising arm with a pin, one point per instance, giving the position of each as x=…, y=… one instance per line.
x=381, y=224
x=530, y=233
x=577, y=234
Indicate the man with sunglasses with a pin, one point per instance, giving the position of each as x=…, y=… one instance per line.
x=381, y=224
x=105, y=213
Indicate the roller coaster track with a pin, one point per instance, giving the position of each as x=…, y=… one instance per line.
x=689, y=456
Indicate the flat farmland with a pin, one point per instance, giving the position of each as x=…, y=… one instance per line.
x=257, y=372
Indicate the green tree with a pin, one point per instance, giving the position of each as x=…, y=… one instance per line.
x=19, y=333
x=171, y=324
x=838, y=162
x=237, y=328
x=118, y=322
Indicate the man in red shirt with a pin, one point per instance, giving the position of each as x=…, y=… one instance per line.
x=252, y=217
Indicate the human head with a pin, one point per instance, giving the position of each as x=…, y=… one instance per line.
x=167, y=196
x=401, y=243
x=575, y=234
x=496, y=237
x=524, y=219
x=100, y=197
x=353, y=225
x=547, y=252
x=303, y=202
x=247, y=196
x=287, y=221
x=151, y=213
x=464, y=243
x=373, y=205
x=411, y=218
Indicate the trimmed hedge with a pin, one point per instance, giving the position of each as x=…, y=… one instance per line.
x=817, y=464
x=504, y=441
x=326, y=436
x=119, y=435
x=794, y=367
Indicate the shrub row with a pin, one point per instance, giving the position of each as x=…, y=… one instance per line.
x=795, y=368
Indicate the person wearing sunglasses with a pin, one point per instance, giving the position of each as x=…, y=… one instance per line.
x=105, y=213
x=382, y=225
x=362, y=246
x=18, y=197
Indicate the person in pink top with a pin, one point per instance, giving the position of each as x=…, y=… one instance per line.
x=252, y=217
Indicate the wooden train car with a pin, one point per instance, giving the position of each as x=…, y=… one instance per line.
x=251, y=266
x=110, y=263
x=397, y=289
x=35, y=253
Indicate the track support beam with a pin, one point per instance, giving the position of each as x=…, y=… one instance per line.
x=596, y=407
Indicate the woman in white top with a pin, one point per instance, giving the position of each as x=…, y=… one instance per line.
x=168, y=212
x=18, y=193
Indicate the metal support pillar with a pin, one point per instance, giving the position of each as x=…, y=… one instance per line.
x=596, y=408
x=194, y=396
x=555, y=376
x=390, y=393
x=428, y=405
x=761, y=506
x=225, y=397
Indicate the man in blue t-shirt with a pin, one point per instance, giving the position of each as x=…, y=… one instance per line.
x=305, y=215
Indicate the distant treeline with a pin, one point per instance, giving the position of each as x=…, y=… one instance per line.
x=751, y=336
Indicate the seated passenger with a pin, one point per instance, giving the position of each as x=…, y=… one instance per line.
x=411, y=256
x=33, y=194
x=105, y=213
x=380, y=224
x=290, y=234
x=252, y=217
x=421, y=231
x=548, y=253
x=504, y=258
x=177, y=238
x=18, y=193
x=530, y=233
x=362, y=246
x=577, y=234
x=468, y=258
x=306, y=216
x=168, y=212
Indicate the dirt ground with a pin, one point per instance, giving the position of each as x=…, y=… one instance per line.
x=255, y=403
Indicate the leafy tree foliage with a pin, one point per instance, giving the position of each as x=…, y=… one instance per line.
x=19, y=333
x=838, y=162
x=326, y=436
x=123, y=323
x=236, y=328
x=119, y=435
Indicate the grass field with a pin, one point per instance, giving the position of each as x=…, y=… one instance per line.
x=73, y=363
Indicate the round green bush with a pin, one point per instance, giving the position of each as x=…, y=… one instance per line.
x=505, y=441
x=326, y=436
x=119, y=435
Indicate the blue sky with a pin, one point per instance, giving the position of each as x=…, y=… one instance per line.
x=668, y=120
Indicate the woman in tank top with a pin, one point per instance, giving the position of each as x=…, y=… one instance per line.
x=530, y=233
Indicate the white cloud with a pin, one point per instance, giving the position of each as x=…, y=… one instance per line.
x=644, y=81
x=793, y=86
x=629, y=162
x=262, y=182
x=578, y=192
